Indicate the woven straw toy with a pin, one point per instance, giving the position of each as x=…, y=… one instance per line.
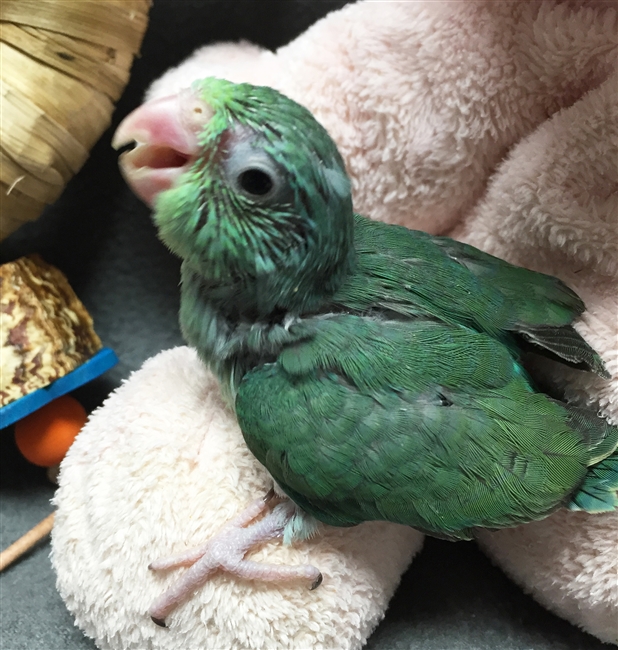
x=64, y=64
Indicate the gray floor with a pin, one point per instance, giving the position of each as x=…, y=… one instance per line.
x=102, y=238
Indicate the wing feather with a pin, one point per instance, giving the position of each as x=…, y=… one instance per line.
x=413, y=274
x=371, y=419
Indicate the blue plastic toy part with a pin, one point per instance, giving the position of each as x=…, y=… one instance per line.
x=102, y=361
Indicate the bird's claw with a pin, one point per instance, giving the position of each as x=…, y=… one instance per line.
x=317, y=582
x=271, y=494
x=227, y=550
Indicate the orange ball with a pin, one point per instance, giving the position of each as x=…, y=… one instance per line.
x=44, y=437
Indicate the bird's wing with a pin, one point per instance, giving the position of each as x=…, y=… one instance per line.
x=408, y=273
x=420, y=423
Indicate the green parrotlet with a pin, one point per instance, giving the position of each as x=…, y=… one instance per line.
x=375, y=371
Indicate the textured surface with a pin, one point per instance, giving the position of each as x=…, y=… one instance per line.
x=46, y=332
x=101, y=237
x=84, y=53
x=569, y=563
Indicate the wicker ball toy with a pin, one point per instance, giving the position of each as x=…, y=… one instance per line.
x=64, y=64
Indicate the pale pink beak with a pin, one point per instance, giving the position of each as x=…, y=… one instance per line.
x=165, y=132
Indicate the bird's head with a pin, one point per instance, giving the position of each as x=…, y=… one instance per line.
x=247, y=187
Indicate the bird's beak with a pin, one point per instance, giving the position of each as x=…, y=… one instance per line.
x=165, y=133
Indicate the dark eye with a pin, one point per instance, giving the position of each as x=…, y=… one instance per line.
x=253, y=173
x=256, y=182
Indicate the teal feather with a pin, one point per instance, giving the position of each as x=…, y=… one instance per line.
x=599, y=490
x=375, y=371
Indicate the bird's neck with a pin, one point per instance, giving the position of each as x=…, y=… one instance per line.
x=229, y=331
x=242, y=321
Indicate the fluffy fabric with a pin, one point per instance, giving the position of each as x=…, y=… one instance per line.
x=569, y=563
x=493, y=122
x=160, y=467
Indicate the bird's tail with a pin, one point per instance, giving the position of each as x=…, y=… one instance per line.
x=599, y=489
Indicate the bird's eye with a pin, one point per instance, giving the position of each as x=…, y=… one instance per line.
x=254, y=174
x=256, y=182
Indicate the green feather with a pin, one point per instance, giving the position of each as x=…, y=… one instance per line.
x=375, y=371
x=598, y=491
x=406, y=272
x=422, y=423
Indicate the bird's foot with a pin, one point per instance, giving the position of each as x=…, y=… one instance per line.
x=226, y=552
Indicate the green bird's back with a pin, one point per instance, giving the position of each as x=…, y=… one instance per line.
x=408, y=273
x=417, y=422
